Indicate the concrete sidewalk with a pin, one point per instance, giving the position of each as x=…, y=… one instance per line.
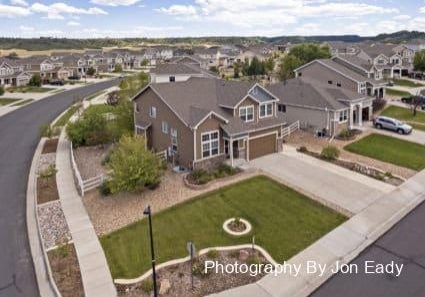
x=97, y=280
x=342, y=244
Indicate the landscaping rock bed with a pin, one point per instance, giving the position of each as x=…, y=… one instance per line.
x=89, y=160
x=175, y=281
x=360, y=168
x=53, y=226
x=45, y=161
x=66, y=271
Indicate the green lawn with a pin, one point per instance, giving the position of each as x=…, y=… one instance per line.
x=100, y=108
x=29, y=89
x=22, y=102
x=6, y=101
x=391, y=150
x=284, y=223
x=392, y=92
x=406, y=115
x=407, y=83
x=64, y=119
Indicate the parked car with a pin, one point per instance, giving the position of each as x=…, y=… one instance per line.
x=74, y=77
x=57, y=82
x=395, y=125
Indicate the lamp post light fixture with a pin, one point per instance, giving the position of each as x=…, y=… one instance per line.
x=147, y=212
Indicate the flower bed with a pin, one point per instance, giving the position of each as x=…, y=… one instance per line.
x=359, y=168
x=200, y=178
x=237, y=226
x=348, y=135
x=175, y=280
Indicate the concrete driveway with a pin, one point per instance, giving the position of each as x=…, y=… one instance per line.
x=337, y=187
x=417, y=136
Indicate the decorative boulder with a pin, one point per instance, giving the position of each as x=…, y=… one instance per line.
x=243, y=255
x=164, y=287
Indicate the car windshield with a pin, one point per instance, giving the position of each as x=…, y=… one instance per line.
x=398, y=123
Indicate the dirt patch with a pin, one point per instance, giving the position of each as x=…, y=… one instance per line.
x=66, y=271
x=46, y=190
x=89, y=160
x=50, y=146
x=178, y=277
x=316, y=144
x=114, y=212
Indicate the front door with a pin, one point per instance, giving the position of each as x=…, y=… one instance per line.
x=235, y=149
x=226, y=148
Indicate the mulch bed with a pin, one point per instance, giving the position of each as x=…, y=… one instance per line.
x=50, y=146
x=47, y=190
x=179, y=277
x=66, y=271
x=237, y=227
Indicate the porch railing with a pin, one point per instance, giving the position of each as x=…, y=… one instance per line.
x=295, y=126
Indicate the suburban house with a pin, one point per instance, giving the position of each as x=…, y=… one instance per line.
x=321, y=108
x=11, y=75
x=344, y=73
x=176, y=72
x=201, y=122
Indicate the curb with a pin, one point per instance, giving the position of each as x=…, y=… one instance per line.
x=200, y=253
x=46, y=284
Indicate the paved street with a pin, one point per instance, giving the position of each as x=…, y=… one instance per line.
x=405, y=244
x=19, y=134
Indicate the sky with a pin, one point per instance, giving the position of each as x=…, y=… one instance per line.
x=182, y=18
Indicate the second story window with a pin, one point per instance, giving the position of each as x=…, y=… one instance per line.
x=281, y=108
x=172, y=78
x=174, y=139
x=246, y=113
x=136, y=107
x=164, y=127
x=152, y=112
x=266, y=110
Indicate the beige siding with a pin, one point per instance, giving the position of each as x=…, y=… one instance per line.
x=308, y=117
x=323, y=74
x=159, y=140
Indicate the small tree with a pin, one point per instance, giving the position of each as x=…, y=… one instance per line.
x=419, y=61
x=416, y=102
x=1, y=90
x=133, y=166
x=236, y=70
x=35, y=80
x=91, y=71
x=269, y=65
x=118, y=68
x=330, y=153
x=287, y=67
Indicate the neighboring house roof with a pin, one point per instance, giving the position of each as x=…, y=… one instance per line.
x=175, y=68
x=356, y=61
x=185, y=60
x=376, y=49
x=309, y=93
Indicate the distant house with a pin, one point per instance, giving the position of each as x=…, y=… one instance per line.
x=321, y=107
x=11, y=75
x=201, y=122
x=176, y=72
x=344, y=73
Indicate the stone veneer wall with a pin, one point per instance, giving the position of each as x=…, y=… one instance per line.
x=209, y=163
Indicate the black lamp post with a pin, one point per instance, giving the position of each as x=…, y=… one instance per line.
x=147, y=212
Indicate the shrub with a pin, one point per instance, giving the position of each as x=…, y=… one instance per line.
x=64, y=250
x=133, y=166
x=303, y=149
x=225, y=170
x=47, y=173
x=46, y=131
x=1, y=90
x=105, y=189
x=90, y=129
x=91, y=71
x=253, y=260
x=35, y=80
x=147, y=285
x=330, y=153
x=378, y=104
x=118, y=68
x=201, y=176
x=213, y=254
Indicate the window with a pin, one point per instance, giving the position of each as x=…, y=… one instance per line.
x=343, y=116
x=281, y=108
x=246, y=113
x=300, y=74
x=266, y=110
x=164, y=127
x=210, y=144
x=338, y=84
x=172, y=78
x=174, y=139
x=136, y=107
x=152, y=112
x=330, y=82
